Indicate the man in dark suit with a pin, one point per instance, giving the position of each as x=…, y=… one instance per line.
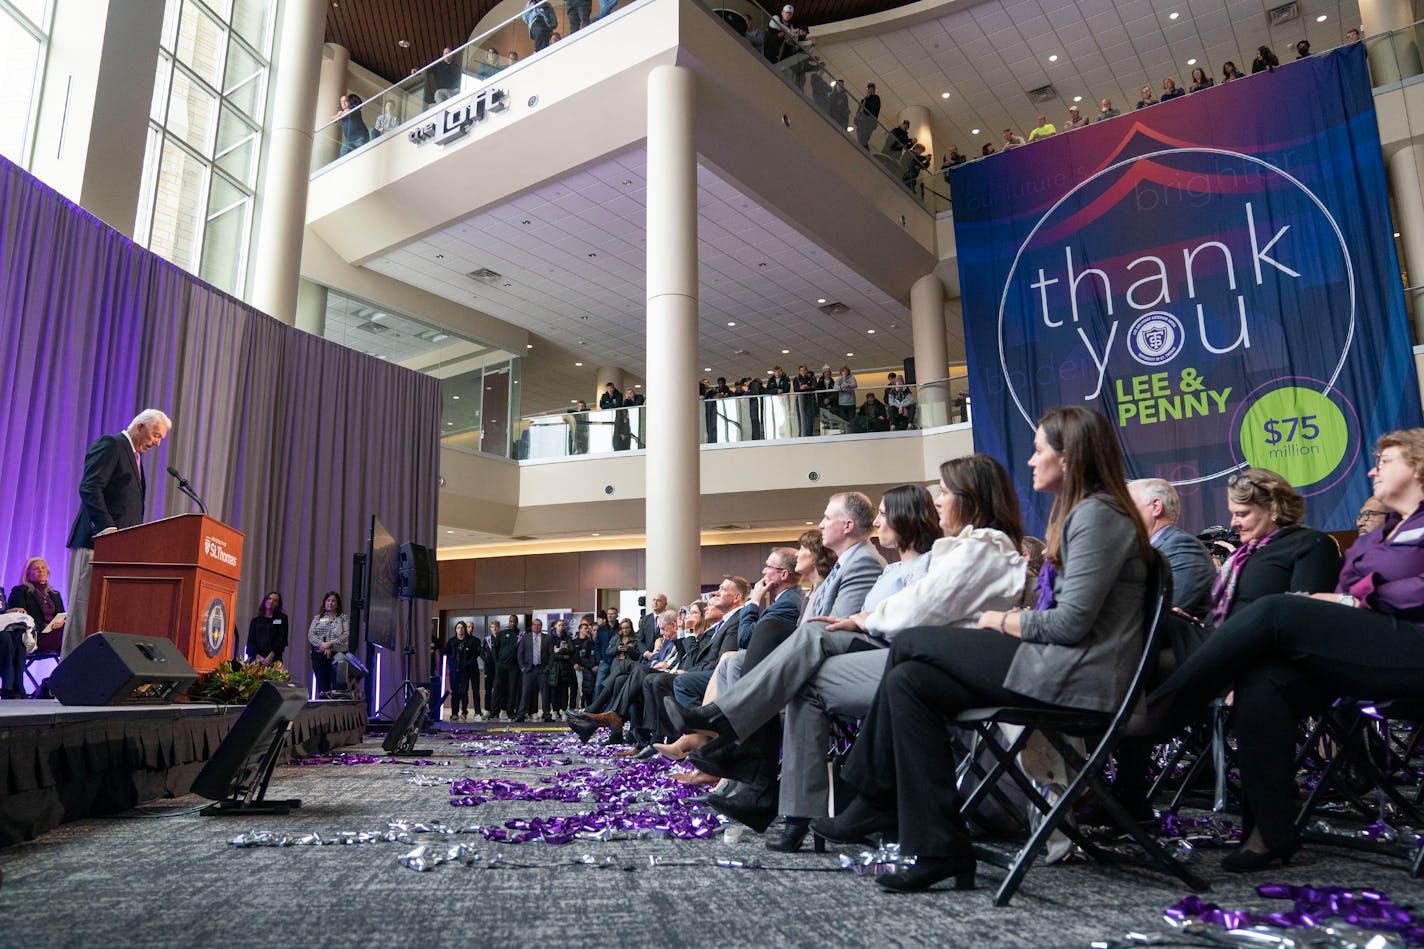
x=1192, y=569
x=648, y=625
x=535, y=651
x=111, y=497
x=506, y=668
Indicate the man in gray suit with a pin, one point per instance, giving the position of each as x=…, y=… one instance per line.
x=761, y=694
x=1192, y=569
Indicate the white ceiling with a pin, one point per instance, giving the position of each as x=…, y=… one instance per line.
x=572, y=257
x=988, y=55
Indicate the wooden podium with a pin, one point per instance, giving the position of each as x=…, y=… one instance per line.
x=176, y=577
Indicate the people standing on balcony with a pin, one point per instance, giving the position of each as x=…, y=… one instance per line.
x=1170, y=89
x=513, y=56
x=1200, y=80
x=1148, y=97
x=354, y=133
x=755, y=388
x=1107, y=110
x=805, y=386
x=915, y=162
x=899, y=139
x=1302, y=49
x=987, y=150
x=827, y=400
x=845, y=393
x=783, y=38
x=1229, y=71
x=541, y=19
x=952, y=160
x=1076, y=119
x=1012, y=139
x=1044, y=129
x=1265, y=60
x=1352, y=35
x=387, y=120
x=867, y=116
x=445, y=75
x=580, y=14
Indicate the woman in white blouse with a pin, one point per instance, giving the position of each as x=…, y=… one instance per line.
x=328, y=635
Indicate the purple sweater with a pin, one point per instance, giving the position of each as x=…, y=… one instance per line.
x=1387, y=575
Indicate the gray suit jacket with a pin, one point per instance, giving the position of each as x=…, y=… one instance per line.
x=1082, y=652
x=1192, y=569
x=847, y=589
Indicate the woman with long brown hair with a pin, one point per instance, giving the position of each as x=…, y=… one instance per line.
x=1077, y=649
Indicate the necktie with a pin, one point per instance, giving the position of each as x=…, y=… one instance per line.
x=823, y=594
x=536, y=648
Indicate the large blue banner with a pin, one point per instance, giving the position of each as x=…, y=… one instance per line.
x=1216, y=274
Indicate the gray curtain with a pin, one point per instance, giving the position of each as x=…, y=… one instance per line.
x=293, y=440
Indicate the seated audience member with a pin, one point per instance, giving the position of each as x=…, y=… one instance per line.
x=1170, y=89
x=1148, y=98
x=1044, y=129
x=42, y=602
x=1078, y=649
x=491, y=64
x=1107, y=111
x=1372, y=515
x=1229, y=71
x=12, y=649
x=327, y=635
x=513, y=56
x=622, y=689
x=1288, y=656
x=872, y=416
x=729, y=600
x=1200, y=80
x=445, y=75
x=1012, y=139
x=1159, y=506
x=267, y=631
x=901, y=401
x=1265, y=60
x=1076, y=119
x=387, y=121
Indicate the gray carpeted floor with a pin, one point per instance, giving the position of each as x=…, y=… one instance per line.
x=175, y=881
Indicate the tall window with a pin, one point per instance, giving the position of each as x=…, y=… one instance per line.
x=24, y=26
x=205, y=136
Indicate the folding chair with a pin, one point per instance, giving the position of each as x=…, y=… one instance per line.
x=1350, y=726
x=1103, y=731
x=1204, y=743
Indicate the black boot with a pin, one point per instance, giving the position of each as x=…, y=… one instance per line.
x=861, y=821
x=792, y=834
x=750, y=804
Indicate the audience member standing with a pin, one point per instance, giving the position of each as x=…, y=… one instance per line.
x=1265, y=60
x=111, y=497
x=1200, y=80
x=535, y=652
x=327, y=635
x=461, y=655
x=354, y=133
x=541, y=20
x=867, y=116
x=1229, y=71
x=489, y=647
x=1107, y=110
x=805, y=386
x=845, y=393
x=268, y=631
x=1044, y=129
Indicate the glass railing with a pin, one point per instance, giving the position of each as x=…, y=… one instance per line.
x=800, y=68
x=1395, y=57
x=740, y=418
x=464, y=69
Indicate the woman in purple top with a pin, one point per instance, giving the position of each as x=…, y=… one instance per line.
x=1289, y=656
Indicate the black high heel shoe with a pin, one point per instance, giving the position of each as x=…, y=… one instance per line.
x=928, y=871
x=1242, y=860
x=858, y=823
x=793, y=834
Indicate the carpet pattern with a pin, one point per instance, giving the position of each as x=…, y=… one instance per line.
x=175, y=880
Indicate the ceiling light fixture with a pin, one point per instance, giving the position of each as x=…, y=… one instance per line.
x=944, y=95
x=1173, y=15
x=1322, y=18
x=850, y=128
x=871, y=332
x=403, y=44
x=850, y=354
x=706, y=368
x=1077, y=98
x=787, y=352
x=455, y=397
x=1053, y=58
x=731, y=322
x=528, y=345
x=973, y=131
x=1192, y=61
x=820, y=300
x=578, y=364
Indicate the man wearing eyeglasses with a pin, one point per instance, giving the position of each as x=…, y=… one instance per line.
x=1372, y=515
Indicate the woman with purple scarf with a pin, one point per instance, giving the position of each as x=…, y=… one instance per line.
x=1077, y=649
x=1289, y=656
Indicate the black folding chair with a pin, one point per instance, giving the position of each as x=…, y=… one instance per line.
x=1356, y=732
x=1203, y=743
x=1104, y=731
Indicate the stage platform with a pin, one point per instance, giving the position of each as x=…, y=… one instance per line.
x=61, y=763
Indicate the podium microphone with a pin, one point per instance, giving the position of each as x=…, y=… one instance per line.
x=187, y=488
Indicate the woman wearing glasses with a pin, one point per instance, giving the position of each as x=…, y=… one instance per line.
x=1290, y=656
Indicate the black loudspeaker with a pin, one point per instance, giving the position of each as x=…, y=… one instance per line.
x=117, y=669
x=909, y=371
x=419, y=573
x=237, y=774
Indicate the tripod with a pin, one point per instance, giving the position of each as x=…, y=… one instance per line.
x=407, y=688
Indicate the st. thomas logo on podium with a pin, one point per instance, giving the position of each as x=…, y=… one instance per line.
x=214, y=627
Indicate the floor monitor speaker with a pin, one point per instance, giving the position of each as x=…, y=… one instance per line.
x=118, y=669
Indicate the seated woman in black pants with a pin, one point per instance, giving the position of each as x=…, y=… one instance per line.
x=1078, y=649
x=1289, y=656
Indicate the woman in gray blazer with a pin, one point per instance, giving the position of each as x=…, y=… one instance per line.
x=1077, y=649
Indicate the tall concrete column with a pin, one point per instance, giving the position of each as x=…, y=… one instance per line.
x=277, y=252
x=1406, y=179
x=311, y=307
x=674, y=481
x=920, y=129
x=931, y=350
x=331, y=87
x=1397, y=57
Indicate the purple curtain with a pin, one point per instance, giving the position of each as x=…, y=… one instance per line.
x=294, y=440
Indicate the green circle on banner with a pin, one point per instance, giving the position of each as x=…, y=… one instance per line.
x=1298, y=433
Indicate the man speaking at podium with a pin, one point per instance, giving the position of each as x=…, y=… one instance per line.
x=111, y=497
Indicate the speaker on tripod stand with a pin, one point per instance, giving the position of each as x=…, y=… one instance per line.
x=417, y=578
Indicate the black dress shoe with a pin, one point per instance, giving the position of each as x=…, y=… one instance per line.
x=646, y=752
x=1242, y=860
x=792, y=834
x=583, y=729
x=616, y=738
x=707, y=718
x=748, y=804
x=859, y=823
x=726, y=759
x=928, y=871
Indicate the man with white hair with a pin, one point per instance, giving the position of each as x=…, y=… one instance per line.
x=111, y=497
x=1192, y=570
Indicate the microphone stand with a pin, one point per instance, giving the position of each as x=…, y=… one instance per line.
x=187, y=489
